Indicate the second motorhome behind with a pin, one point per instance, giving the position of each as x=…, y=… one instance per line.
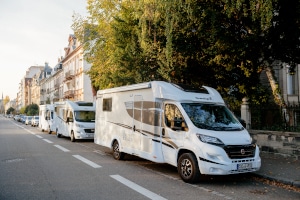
x=190, y=129
x=74, y=119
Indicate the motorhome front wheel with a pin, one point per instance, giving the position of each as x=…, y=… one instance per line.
x=188, y=168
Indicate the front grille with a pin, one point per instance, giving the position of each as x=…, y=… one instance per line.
x=240, y=151
x=89, y=130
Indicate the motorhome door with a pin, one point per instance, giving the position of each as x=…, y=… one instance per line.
x=173, y=132
x=137, y=124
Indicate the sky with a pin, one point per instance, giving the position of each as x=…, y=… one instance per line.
x=33, y=32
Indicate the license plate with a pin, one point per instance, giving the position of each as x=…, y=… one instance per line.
x=244, y=166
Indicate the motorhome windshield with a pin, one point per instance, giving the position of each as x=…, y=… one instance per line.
x=211, y=117
x=85, y=116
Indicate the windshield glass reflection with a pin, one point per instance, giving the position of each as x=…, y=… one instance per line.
x=211, y=117
x=85, y=116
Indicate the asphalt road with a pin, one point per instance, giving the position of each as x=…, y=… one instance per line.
x=36, y=165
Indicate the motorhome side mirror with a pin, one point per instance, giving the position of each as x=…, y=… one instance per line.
x=184, y=126
x=69, y=119
x=176, y=124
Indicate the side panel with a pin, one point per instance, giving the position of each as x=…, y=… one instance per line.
x=132, y=118
x=42, y=120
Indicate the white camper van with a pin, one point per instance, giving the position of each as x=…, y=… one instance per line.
x=74, y=119
x=167, y=123
x=46, y=117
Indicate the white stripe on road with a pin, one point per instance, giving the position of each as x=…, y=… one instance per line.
x=48, y=141
x=62, y=148
x=137, y=188
x=39, y=136
x=90, y=163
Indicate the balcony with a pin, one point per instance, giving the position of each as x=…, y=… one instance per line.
x=69, y=75
x=69, y=94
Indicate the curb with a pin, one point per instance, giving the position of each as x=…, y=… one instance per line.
x=280, y=180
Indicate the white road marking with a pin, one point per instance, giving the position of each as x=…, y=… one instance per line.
x=62, y=148
x=48, y=141
x=137, y=188
x=38, y=136
x=86, y=161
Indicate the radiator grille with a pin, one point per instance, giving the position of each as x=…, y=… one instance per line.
x=240, y=151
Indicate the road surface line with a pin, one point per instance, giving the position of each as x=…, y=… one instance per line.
x=137, y=188
x=86, y=161
x=48, y=141
x=62, y=148
x=39, y=136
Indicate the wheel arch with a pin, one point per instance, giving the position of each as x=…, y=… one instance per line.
x=182, y=151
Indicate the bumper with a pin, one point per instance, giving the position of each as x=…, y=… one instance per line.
x=217, y=162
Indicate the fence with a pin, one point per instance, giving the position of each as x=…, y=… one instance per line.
x=274, y=118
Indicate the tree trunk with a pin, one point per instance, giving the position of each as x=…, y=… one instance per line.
x=275, y=89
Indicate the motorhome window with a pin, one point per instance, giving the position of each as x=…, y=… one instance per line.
x=107, y=104
x=190, y=88
x=173, y=117
x=85, y=116
x=211, y=116
x=64, y=114
x=70, y=116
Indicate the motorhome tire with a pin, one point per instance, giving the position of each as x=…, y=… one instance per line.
x=57, y=134
x=72, y=136
x=188, y=168
x=116, y=151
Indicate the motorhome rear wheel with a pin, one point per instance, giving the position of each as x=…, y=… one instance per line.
x=116, y=151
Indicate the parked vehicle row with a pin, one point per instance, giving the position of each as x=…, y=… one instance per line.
x=27, y=120
x=191, y=129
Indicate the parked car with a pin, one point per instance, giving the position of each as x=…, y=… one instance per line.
x=35, y=121
x=22, y=119
x=28, y=120
x=17, y=117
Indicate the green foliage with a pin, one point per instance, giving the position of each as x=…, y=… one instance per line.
x=220, y=43
x=11, y=110
x=22, y=110
x=31, y=110
x=6, y=100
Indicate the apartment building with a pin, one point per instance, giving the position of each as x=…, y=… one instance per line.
x=76, y=83
x=67, y=80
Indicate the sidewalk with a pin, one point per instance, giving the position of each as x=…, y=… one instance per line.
x=285, y=170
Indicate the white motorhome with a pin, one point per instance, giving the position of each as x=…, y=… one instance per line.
x=74, y=119
x=46, y=117
x=167, y=123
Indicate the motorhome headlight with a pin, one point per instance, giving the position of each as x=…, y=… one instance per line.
x=209, y=139
x=79, y=125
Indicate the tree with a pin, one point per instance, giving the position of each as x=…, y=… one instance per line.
x=32, y=109
x=6, y=100
x=11, y=110
x=219, y=43
x=22, y=110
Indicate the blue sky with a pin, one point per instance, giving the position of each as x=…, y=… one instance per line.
x=32, y=32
